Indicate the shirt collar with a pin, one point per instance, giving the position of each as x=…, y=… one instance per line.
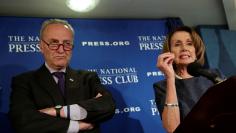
x=51, y=70
x=178, y=77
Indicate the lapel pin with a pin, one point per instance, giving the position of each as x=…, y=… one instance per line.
x=71, y=79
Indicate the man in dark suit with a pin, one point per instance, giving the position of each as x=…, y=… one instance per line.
x=55, y=98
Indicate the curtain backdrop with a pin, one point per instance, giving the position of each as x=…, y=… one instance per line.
x=220, y=48
x=122, y=52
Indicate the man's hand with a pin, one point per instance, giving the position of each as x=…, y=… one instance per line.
x=50, y=111
x=85, y=126
x=98, y=95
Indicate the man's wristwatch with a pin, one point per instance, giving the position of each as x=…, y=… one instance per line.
x=58, y=108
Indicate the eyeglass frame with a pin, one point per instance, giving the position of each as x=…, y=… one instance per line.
x=58, y=45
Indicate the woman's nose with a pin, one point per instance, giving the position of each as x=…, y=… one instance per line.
x=184, y=47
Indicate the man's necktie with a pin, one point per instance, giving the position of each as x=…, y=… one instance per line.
x=61, y=80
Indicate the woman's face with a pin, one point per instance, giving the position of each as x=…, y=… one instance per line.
x=181, y=44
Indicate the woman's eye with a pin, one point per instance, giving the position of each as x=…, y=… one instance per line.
x=190, y=43
x=177, y=44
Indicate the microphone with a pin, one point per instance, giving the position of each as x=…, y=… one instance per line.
x=195, y=69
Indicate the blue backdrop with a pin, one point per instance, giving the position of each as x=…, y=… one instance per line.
x=220, y=48
x=122, y=52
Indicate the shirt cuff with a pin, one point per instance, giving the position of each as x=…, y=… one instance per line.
x=73, y=127
x=76, y=112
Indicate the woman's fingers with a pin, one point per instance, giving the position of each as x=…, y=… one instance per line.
x=165, y=59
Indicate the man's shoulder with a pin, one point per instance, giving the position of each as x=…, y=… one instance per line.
x=85, y=72
x=81, y=72
x=29, y=73
x=24, y=76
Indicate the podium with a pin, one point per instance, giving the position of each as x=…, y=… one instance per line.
x=215, y=112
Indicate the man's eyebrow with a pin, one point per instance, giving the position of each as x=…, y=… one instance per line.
x=52, y=39
x=56, y=40
x=67, y=41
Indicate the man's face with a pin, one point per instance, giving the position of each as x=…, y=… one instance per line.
x=56, y=34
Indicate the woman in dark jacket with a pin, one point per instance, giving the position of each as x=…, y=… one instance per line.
x=179, y=91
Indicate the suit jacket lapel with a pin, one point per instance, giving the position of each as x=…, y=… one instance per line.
x=47, y=82
x=72, y=85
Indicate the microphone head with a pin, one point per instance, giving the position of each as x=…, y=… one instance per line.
x=193, y=68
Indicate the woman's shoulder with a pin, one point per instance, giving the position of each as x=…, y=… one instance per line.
x=161, y=85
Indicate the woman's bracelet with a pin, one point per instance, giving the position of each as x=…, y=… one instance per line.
x=171, y=104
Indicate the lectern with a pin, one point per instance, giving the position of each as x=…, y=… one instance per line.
x=215, y=112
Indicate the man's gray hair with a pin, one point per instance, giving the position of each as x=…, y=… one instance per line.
x=55, y=21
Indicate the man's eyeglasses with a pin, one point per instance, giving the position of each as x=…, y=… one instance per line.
x=67, y=46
